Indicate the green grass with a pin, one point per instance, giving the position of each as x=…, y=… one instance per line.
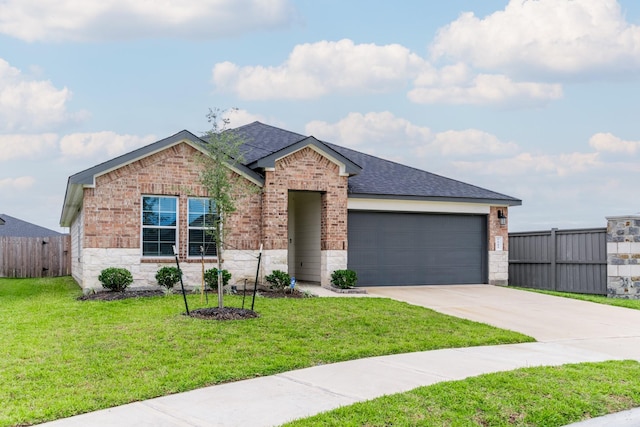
x=60, y=356
x=546, y=396
x=600, y=299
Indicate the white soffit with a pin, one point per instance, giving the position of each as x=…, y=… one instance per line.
x=416, y=206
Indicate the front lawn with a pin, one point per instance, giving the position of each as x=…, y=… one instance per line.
x=544, y=396
x=60, y=356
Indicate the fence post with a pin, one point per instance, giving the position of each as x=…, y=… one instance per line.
x=554, y=258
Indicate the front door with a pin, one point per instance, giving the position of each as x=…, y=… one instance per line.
x=304, y=235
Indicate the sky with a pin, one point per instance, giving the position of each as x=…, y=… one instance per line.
x=536, y=99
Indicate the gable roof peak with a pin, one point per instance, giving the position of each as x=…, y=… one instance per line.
x=347, y=166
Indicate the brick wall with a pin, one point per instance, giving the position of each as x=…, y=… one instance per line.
x=495, y=229
x=305, y=170
x=112, y=209
x=498, y=259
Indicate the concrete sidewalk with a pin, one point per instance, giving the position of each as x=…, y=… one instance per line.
x=581, y=332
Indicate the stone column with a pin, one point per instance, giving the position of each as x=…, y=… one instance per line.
x=623, y=257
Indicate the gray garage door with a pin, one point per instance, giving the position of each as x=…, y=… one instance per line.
x=390, y=248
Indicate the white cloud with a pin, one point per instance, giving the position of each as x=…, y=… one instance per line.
x=240, y=117
x=29, y=105
x=357, y=129
x=313, y=70
x=606, y=142
x=83, y=20
x=20, y=184
x=525, y=164
x=26, y=146
x=383, y=134
x=471, y=142
x=550, y=36
x=83, y=145
x=457, y=85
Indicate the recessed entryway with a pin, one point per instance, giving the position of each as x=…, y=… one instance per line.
x=304, y=225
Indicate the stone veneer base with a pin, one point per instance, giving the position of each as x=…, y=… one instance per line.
x=623, y=257
x=499, y=268
x=241, y=263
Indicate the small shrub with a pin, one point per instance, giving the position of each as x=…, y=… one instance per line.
x=344, y=279
x=168, y=276
x=278, y=279
x=211, y=278
x=115, y=279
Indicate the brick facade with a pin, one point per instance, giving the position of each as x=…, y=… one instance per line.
x=107, y=230
x=111, y=214
x=498, y=258
x=112, y=208
x=496, y=229
x=305, y=170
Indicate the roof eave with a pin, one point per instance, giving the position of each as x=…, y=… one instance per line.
x=72, y=203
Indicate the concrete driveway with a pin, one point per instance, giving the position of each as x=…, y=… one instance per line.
x=581, y=324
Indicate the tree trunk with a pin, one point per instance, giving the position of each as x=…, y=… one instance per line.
x=219, y=253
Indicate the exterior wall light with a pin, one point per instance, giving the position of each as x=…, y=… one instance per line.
x=502, y=217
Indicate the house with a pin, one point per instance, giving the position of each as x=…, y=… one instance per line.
x=321, y=207
x=14, y=227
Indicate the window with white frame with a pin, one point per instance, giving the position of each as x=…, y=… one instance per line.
x=201, y=222
x=159, y=225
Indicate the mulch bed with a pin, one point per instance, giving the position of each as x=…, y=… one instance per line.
x=207, y=313
x=225, y=313
x=270, y=293
x=114, y=296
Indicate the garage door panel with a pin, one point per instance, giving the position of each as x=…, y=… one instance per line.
x=389, y=248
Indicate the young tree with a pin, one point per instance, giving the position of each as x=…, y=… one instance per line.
x=222, y=184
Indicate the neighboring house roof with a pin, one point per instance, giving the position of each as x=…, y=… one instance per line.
x=14, y=227
x=369, y=176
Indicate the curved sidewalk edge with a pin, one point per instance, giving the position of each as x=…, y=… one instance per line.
x=273, y=400
x=629, y=418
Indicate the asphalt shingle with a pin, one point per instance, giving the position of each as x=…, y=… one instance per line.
x=14, y=227
x=379, y=177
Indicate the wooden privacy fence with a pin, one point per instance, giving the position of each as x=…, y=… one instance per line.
x=560, y=260
x=35, y=256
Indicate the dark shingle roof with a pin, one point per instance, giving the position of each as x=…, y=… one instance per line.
x=261, y=140
x=384, y=177
x=378, y=177
x=369, y=176
x=14, y=227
